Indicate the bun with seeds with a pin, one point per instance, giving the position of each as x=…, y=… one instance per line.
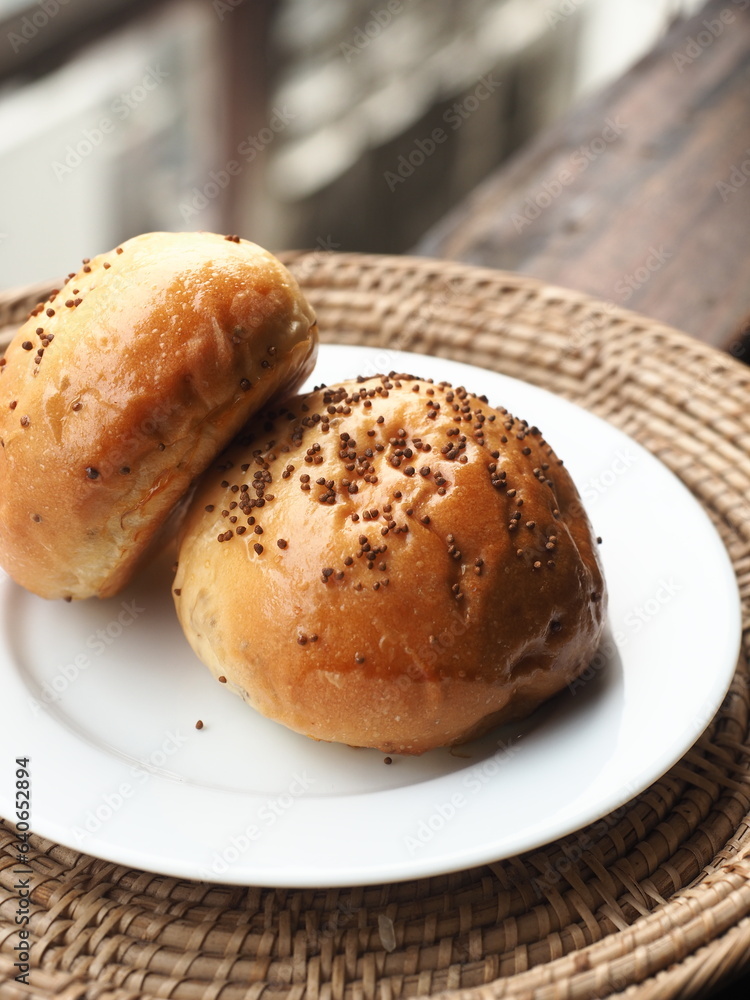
x=390, y=563
x=122, y=387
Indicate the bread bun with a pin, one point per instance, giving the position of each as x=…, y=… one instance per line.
x=122, y=387
x=390, y=563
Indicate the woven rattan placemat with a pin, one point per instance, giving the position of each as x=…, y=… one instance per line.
x=651, y=902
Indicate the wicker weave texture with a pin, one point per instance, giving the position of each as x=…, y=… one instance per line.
x=651, y=902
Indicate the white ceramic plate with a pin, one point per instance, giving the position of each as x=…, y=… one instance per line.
x=104, y=696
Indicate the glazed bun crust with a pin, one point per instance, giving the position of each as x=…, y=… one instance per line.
x=122, y=388
x=390, y=563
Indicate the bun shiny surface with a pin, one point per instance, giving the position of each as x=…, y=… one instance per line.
x=122, y=387
x=390, y=563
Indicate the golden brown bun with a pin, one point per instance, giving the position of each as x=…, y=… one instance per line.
x=121, y=389
x=426, y=571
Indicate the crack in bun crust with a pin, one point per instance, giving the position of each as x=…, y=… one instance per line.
x=390, y=563
x=121, y=388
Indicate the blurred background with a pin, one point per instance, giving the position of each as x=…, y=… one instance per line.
x=293, y=123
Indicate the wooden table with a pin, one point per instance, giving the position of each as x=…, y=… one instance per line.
x=641, y=196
